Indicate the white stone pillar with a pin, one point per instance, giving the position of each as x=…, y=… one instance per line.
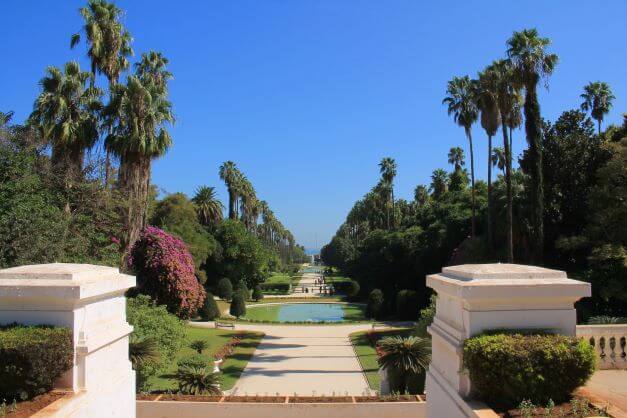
x=90, y=301
x=476, y=298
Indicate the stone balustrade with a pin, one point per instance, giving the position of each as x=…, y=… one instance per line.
x=609, y=342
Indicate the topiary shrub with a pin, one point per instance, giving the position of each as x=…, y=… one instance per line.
x=352, y=289
x=209, y=310
x=278, y=288
x=31, y=358
x=375, y=303
x=509, y=368
x=224, y=289
x=257, y=293
x=165, y=272
x=243, y=289
x=154, y=322
x=407, y=304
x=238, y=305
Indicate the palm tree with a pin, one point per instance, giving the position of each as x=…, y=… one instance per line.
x=498, y=158
x=108, y=45
x=138, y=113
x=487, y=94
x=597, y=98
x=461, y=103
x=456, y=158
x=439, y=183
x=152, y=69
x=208, y=206
x=198, y=380
x=142, y=351
x=66, y=115
x=404, y=357
x=531, y=62
x=229, y=174
x=387, y=168
x=421, y=195
x=5, y=118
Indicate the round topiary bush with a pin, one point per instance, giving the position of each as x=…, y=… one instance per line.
x=31, y=358
x=257, y=293
x=209, y=310
x=508, y=368
x=238, y=305
x=375, y=303
x=224, y=289
x=407, y=305
x=165, y=271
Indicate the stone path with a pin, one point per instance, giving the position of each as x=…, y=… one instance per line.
x=608, y=387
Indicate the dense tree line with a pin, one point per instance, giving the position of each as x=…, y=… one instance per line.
x=564, y=207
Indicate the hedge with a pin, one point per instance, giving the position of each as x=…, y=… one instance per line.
x=31, y=358
x=283, y=288
x=508, y=368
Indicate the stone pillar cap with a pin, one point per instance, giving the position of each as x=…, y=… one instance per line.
x=500, y=271
x=77, y=281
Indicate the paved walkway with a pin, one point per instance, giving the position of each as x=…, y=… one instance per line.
x=304, y=360
x=608, y=387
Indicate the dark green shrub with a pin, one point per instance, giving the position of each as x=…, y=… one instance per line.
x=199, y=345
x=278, y=288
x=375, y=303
x=407, y=304
x=209, y=310
x=508, y=368
x=243, y=289
x=31, y=358
x=197, y=380
x=257, y=293
x=193, y=360
x=224, y=289
x=238, y=305
x=426, y=318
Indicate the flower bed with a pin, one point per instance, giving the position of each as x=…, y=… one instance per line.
x=228, y=349
x=280, y=399
x=576, y=408
x=27, y=408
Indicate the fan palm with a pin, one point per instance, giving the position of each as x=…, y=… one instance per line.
x=498, y=158
x=229, y=174
x=66, y=115
x=439, y=183
x=421, y=195
x=387, y=168
x=456, y=158
x=208, y=206
x=531, y=63
x=487, y=93
x=461, y=103
x=404, y=357
x=198, y=380
x=108, y=46
x=5, y=118
x=141, y=113
x=597, y=98
x=142, y=351
x=152, y=69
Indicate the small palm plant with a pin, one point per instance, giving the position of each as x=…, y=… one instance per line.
x=404, y=358
x=142, y=351
x=199, y=345
x=198, y=380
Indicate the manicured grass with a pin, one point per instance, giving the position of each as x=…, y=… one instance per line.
x=216, y=339
x=367, y=354
x=278, y=278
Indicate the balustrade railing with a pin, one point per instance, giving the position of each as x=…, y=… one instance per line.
x=609, y=342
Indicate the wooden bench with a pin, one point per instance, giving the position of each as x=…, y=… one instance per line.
x=225, y=325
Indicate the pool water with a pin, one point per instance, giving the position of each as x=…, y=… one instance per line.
x=306, y=312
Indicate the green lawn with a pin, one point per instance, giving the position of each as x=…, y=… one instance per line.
x=352, y=312
x=278, y=278
x=215, y=338
x=367, y=354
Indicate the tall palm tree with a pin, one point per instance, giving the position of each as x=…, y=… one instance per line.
x=597, y=98
x=152, y=69
x=497, y=159
x=5, y=118
x=140, y=113
x=487, y=94
x=531, y=62
x=387, y=168
x=208, y=206
x=439, y=183
x=108, y=46
x=421, y=195
x=502, y=74
x=229, y=174
x=456, y=158
x=461, y=103
x=66, y=115
x=404, y=357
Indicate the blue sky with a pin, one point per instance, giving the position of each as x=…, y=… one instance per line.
x=307, y=96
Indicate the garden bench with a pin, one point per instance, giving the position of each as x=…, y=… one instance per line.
x=225, y=325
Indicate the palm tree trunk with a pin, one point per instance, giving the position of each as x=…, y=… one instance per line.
x=490, y=237
x=508, y=185
x=533, y=129
x=599, y=124
x=232, y=198
x=393, y=212
x=472, y=181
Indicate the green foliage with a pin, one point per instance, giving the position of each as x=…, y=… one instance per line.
x=196, y=380
x=257, y=293
x=352, y=290
x=192, y=360
x=278, y=288
x=209, y=310
x=238, y=305
x=375, y=303
x=405, y=359
x=31, y=358
x=426, y=318
x=509, y=368
x=243, y=289
x=224, y=289
x=154, y=321
x=407, y=304
x=198, y=345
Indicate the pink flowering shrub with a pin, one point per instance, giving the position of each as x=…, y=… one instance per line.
x=165, y=271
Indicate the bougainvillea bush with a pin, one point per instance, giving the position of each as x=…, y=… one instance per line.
x=165, y=271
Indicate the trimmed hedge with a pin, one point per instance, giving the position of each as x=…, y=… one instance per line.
x=508, y=368
x=31, y=358
x=283, y=288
